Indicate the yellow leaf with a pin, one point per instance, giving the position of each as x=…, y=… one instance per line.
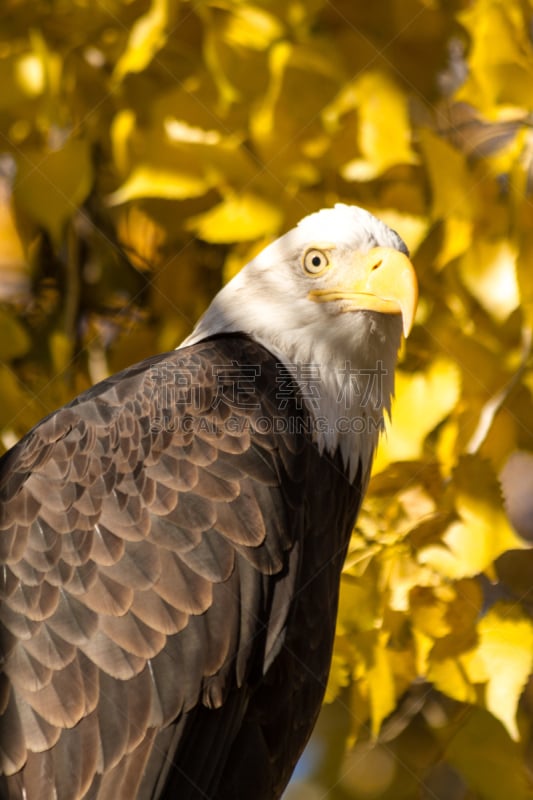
x=339, y=675
x=429, y=612
x=488, y=271
x=15, y=277
x=235, y=38
x=498, y=29
x=141, y=236
x=474, y=666
x=380, y=680
x=147, y=37
x=378, y=676
x=360, y=604
x=287, y=124
x=483, y=531
x=464, y=610
x=122, y=128
x=450, y=677
x=238, y=218
x=379, y=99
x=453, y=189
x=252, y=27
x=30, y=74
x=403, y=573
x=51, y=185
x=457, y=239
x=214, y=59
x=49, y=75
x=179, y=130
x=176, y=160
x=447, y=445
x=452, y=663
x=500, y=55
x=423, y=647
x=191, y=104
x=506, y=646
x=263, y=120
x=422, y=400
x=149, y=180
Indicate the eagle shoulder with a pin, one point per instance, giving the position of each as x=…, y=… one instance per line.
x=145, y=535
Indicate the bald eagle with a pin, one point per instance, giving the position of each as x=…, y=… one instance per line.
x=172, y=540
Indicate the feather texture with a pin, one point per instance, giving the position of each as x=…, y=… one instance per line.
x=157, y=545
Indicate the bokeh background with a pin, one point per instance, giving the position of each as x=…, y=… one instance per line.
x=148, y=149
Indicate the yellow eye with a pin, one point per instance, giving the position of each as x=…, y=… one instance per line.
x=315, y=261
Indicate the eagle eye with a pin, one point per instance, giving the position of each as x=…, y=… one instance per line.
x=315, y=261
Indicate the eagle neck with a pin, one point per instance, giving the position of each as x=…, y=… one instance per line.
x=345, y=374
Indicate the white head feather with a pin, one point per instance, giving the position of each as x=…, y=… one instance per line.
x=351, y=355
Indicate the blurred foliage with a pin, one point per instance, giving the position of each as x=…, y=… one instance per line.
x=150, y=147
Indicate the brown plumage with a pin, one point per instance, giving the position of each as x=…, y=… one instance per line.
x=144, y=589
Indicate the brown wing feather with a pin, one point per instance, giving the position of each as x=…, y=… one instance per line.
x=135, y=562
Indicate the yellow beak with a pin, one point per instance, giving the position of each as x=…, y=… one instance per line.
x=387, y=283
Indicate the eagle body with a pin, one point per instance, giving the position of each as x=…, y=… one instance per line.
x=171, y=544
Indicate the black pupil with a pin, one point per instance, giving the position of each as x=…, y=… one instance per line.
x=316, y=261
